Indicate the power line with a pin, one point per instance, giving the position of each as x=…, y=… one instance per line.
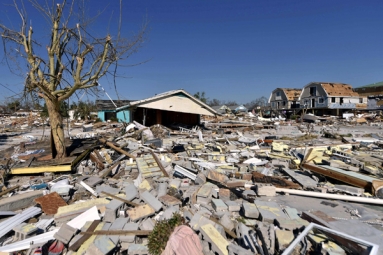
x=9, y=89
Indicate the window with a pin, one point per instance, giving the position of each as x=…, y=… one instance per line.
x=284, y=103
x=321, y=100
x=360, y=100
x=313, y=91
x=333, y=99
x=341, y=100
x=278, y=94
x=273, y=104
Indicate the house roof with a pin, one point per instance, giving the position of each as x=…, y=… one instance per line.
x=150, y=103
x=108, y=104
x=292, y=94
x=339, y=89
x=377, y=84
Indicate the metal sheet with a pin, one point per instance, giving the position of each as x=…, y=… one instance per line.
x=26, y=243
x=12, y=222
x=372, y=248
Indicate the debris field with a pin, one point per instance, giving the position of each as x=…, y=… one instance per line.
x=230, y=186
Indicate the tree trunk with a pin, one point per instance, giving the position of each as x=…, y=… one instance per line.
x=57, y=130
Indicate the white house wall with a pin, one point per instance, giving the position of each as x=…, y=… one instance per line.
x=177, y=104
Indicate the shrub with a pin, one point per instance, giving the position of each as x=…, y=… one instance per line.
x=159, y=237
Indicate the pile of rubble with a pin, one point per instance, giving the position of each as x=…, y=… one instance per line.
x=230, y=187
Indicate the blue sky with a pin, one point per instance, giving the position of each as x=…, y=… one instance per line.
x=241, y=50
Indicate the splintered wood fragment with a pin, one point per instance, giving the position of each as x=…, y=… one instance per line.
x=159, y=164
x=8, y=190
x=107, y=172
x=114, y=147
x=119, y=198
x=93, y=157
x=86, y=235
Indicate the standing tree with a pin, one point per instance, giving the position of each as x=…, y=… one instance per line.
x=201, y=96
x=73, y=60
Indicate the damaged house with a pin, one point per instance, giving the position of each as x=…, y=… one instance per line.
x=374, y=94
x=113, y=110
x=326, y=98
x=169, y=108
x=286, y=99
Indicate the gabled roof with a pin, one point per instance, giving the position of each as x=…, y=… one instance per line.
x=334, y=89
x=339, y=89
x=179, y=92
x=108, y=104
x=292, y=94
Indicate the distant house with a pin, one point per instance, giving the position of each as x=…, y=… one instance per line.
x=221, y=109
x=374, y=94
x=237, y=108
x=330, y=98
x=107, y=110
x=176, y=106
x=285, y=99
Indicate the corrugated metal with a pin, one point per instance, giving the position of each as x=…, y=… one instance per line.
x=26, y=243
x=12, y=222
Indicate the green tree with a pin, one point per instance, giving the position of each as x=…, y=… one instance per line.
x=201, y=96
x=73, y=58
x=84, y=109
x=63, y=110
x=14, y=105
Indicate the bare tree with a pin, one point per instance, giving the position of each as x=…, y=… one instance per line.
x=215, y=102
x=261, y=101
x=74, y=59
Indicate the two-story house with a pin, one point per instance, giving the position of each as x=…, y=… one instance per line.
x=374, y=94
x=284, y=99
x=330, y=98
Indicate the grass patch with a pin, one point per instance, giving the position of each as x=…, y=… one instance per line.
x=159, y=237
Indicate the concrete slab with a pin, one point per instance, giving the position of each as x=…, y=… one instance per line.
x=140, y=212
x=250, y=210
x=218, y=242
x=151, y=200
x=20, y=201
x=219, y=205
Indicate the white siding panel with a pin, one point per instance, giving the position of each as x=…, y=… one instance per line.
x=177, y=104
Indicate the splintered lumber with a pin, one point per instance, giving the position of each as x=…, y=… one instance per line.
x=86, y=235
x=8, y=190
x=114, y=147
x=352, y=178
x=159, y=164
x=276, y=181
x=120, y=199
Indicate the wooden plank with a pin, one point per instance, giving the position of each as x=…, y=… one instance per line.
x=159, y=164
x=352, y=178
x=114, y=147
x=107, y=172
x=119, y=198
x=93, y=157
x=85, y=236
x=41, y=169
x=8, y=190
